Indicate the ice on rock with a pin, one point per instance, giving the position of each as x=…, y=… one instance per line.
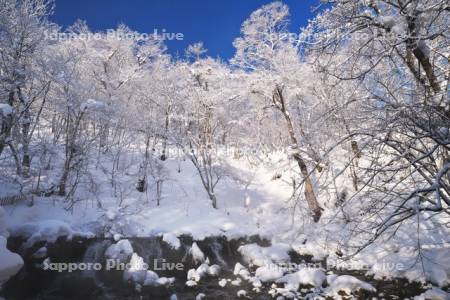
x=267, y=273
x=121, y=251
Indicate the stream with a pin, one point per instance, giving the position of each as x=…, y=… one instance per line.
x=33, y=282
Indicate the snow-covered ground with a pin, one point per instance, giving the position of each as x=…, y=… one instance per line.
x=251, y=202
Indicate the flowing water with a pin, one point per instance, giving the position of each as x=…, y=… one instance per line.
x=32, y=282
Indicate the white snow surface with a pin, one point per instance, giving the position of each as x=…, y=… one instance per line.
x=10, y=263
x=48, y=230
x=185, y=209
x=121, y=251
x=433, y=294
x=305, y=276
x=348, y=284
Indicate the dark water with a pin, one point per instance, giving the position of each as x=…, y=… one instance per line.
x=32, y=282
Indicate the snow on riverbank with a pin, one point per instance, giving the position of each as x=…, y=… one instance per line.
x=252, y=201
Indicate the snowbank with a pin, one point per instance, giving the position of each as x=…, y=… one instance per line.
x=49, y=231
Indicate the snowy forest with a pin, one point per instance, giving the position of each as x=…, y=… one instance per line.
x=311, y=165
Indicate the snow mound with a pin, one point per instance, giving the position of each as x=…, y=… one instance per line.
x=48, y=230
x=260, y=256
x=10, y=263
x=348, y=284
x=120, y=251
x=306, y=276
x=268, y=273
x=433, y=294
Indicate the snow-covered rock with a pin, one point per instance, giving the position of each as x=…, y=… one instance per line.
x=136, y=271
x=151, y=278
x=120, y=251
x=172, y=240
x=197, y=254
x=223, y=282
x=237, y=268
x=10, y=263
x=193, y=275
x=260, y=256
x=241, y=293
x=214, y=270
x=200, y=296
x=348, y=284
x=267, y=273
x=306, y=276
x=191, y=283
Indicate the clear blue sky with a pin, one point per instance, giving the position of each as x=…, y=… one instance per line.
x=215, y=22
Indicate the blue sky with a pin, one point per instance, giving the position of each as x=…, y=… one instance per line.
x=215, y=22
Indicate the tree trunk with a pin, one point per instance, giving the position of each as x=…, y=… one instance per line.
x=310, y=196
